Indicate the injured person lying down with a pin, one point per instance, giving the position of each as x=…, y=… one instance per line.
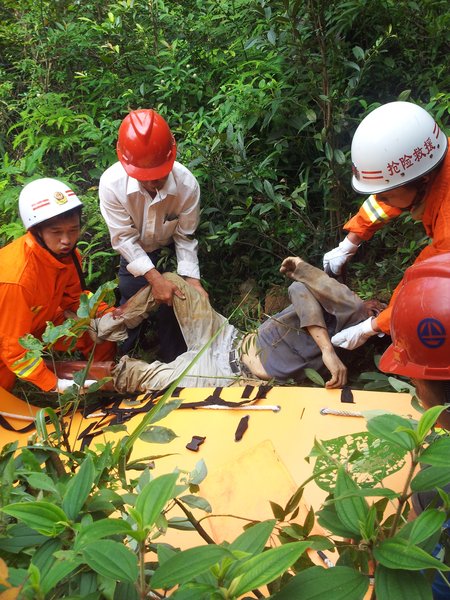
x=280, y=350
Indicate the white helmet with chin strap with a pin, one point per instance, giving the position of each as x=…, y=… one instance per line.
x=44, y=199
x=394, y=145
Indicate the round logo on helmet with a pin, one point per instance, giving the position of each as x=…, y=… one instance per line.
x=431, y=333
x=60, y=198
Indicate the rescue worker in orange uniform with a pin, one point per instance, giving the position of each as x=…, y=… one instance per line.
x=150, y=201
x=40, y=279
x=420, y=349
x=399, y=156
x=420, y=346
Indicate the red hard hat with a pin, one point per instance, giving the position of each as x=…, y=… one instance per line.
x=420, y=323
x=146, y=147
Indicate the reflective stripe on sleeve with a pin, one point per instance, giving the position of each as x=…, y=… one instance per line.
x=374, y=211
x=26, y=368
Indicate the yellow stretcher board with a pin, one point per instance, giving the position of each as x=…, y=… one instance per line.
x=267, y=464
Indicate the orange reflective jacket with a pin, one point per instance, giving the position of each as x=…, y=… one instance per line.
x=372, y=216
x=35, y=288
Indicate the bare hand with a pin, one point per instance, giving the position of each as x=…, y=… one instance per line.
x=336, y=367
x=289, y=265
x=197, y=285
x=163, y=290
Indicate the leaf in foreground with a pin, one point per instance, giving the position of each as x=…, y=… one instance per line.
x=395, y=583
x=266, y=567
x=317, y=583
x=187, y=565
x=112, y=560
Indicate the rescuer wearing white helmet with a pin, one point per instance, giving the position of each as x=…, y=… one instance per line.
x=40, y=279
x=399, y=157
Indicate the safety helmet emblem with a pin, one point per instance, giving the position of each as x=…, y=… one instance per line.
x=431, y=333
x=60, y=198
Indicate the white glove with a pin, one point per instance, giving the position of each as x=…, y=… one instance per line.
x=63, y=384
x=335, y=259
x=354, y=336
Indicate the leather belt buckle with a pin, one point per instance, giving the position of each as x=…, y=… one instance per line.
x=235, y=363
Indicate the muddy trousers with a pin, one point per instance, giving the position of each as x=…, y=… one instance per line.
x=323, y=293
x=199, y=323
x=169, y=333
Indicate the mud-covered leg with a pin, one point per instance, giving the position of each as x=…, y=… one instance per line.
x=336, y=298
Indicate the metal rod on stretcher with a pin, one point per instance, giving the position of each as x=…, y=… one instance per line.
x=340, y=413
x=18, y=417
x=273, y=408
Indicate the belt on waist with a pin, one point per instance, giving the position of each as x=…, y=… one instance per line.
x=236, y=365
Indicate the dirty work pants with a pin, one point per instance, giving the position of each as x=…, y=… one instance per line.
x=328, y=294
x=169, y=334
x=199, y=323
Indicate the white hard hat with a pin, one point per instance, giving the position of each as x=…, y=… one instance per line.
x=44, y=199
x=395, y=144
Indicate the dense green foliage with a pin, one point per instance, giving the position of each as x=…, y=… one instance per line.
x=263, y=97
x=80, y=522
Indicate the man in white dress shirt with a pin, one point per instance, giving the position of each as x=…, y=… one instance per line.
x=149, y=201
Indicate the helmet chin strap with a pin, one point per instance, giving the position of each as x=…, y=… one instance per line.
x=40, y=240
x=419, y=197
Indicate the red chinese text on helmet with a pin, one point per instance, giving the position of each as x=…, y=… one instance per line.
x=394, y=145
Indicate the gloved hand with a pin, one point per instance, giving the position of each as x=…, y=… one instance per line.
x=335, y=259
x=63, y=384
x=354, y=336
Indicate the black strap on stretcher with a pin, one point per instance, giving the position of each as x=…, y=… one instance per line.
x=215, y=398
x=7, y=425
x=122, y=415
x=114, y=415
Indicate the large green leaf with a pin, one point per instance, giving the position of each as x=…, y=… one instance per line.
x=164, y=553
x=186, y=565
x=427, y=420
x=317, y=583
x=368, y=461
x=197, y=591
x=315, y=377
x=156, y=434
x=426, y=524
x=351, y=510
x=385, y=426
x=395, y=583
x=44, y=517
x=254, y=538
x=60, y=570
x=41, y=481
x=196, y=502
x=431, y=478
x=78, y=489
x=437, y=453
x=397, y=553
x=19, y=536
x=329, y=520
x=43, y=557
x=264, y=568
x=198, y=474
x=112, y=560
x=166, y=409
x=101, y=529
x=154, y=496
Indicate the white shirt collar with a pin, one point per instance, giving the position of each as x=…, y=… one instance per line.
x=169, y=188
